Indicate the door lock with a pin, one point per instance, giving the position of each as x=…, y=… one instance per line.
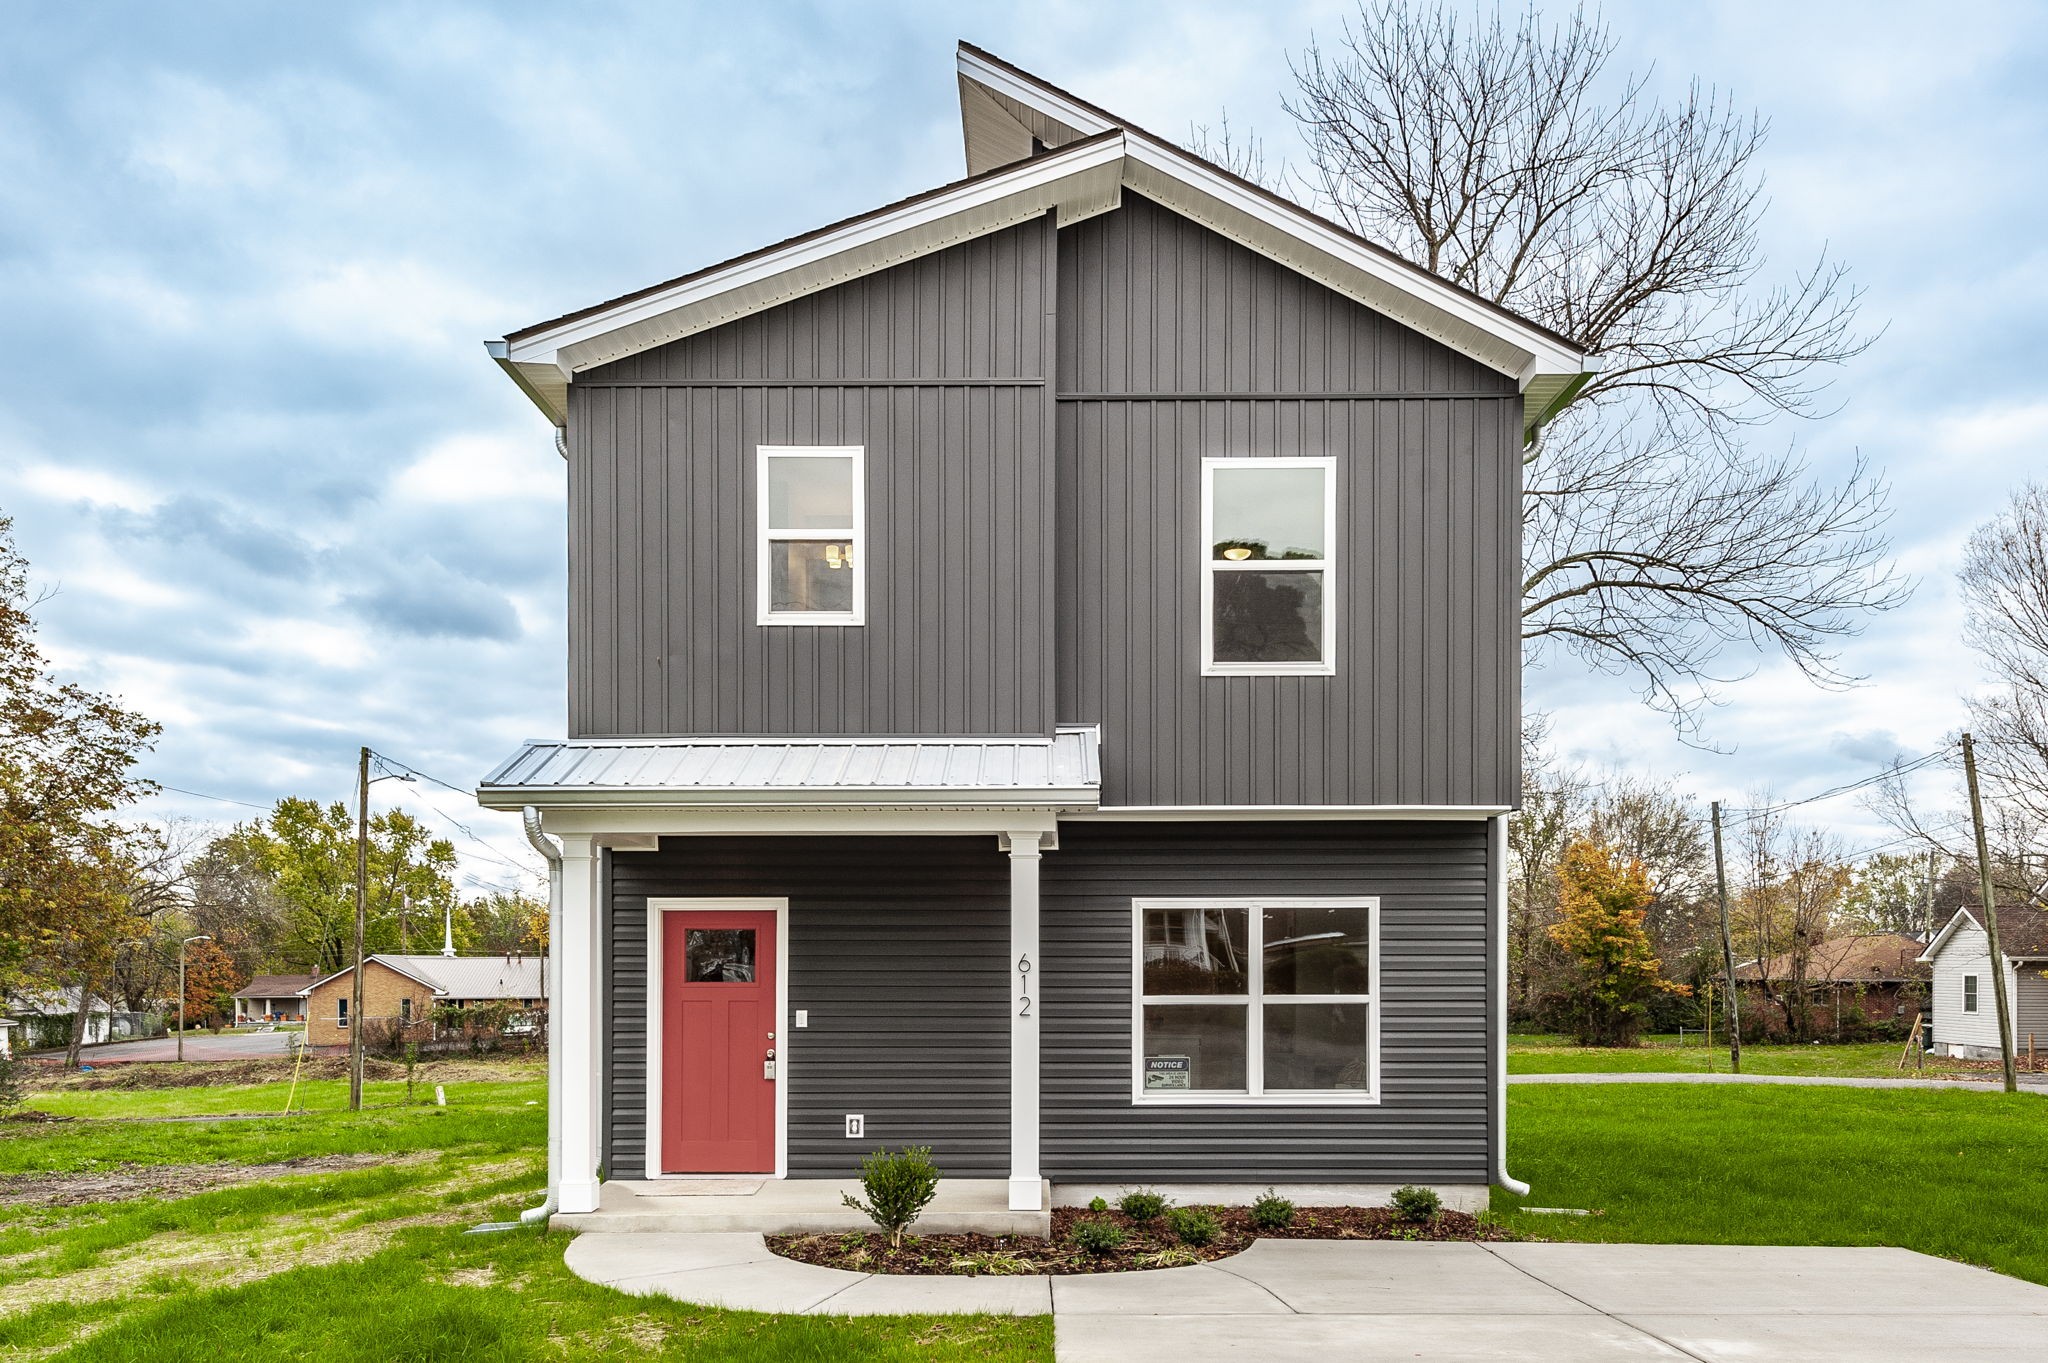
x=768, y=1065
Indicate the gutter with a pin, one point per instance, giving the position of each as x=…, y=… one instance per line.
x=1497, y=858
x=551, y=983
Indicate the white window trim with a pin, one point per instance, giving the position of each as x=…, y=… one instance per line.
x=1212, y=565
x=1255, y=1053
x=658, y=910
x=853, y=535
x=1972, y=992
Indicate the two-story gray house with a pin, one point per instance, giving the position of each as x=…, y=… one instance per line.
x=1043, y=684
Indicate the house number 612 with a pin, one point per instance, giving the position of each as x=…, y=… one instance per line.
x=1024, y=986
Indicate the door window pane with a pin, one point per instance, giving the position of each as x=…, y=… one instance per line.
x=1272, y=513
x=1318, y=1046
x=1196, y=951
x=810, y=575
x=1194, y=1048
x=1269, y=617
x=718, y=955
x=810, y=492
x=1317, y=951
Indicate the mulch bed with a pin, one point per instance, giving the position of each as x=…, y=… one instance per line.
x=1148, y=1244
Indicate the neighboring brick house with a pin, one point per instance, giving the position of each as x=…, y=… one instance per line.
x=407, y=990
x=1878, y=974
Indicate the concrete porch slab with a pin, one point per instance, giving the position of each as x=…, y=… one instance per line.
x=795, y=1206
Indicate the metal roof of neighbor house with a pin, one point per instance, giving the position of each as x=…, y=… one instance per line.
x=1031, y=148
x=460, y=977
x=971, y=770
x=274, y=987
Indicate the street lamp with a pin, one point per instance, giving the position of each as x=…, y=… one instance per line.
x=202, y=937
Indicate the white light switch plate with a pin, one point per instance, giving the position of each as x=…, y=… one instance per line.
x=856, y=1126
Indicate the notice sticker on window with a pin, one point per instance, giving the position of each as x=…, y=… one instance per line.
x=1164, y=1072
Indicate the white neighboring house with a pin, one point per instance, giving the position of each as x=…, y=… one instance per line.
x=1965, y=1010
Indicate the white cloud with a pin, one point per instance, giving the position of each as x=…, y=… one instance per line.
x=470, y=468
x=76, y=484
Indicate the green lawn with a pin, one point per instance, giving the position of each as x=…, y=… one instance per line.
x=363, y=1262
x=1662, y=1055
x=1945, y=1172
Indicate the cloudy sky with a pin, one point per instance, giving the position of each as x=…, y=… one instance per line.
x=248, y=255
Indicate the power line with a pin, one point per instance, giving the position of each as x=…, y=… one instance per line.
x=490, y=853
x=1887, y=774
x=202, y=795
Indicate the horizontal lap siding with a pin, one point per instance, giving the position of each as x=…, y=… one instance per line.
x=1177, y=345
x=1431, y=1124
x=897, y=949
x=937, y=368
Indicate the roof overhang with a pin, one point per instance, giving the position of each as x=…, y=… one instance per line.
x=1082, y=161
x=428, y=985
x=806, y=774
x=1934, y=947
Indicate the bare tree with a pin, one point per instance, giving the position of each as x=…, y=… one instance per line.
x=1552, y=814
x=2005, y=587
x=1504, y=156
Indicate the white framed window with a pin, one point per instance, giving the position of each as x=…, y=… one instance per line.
x=341, y=1011
x=812, y=565
x=1255, y=1001
x=1269, y=567
x=1969, y=993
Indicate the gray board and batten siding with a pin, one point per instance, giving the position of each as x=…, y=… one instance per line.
x=1176, y=344
x=940, y=368
x=1011, y=586
x=898, y=951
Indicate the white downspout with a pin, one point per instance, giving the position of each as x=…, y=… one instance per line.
x=552, y=971
x=1497, y=893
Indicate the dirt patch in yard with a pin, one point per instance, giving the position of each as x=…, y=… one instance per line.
x=1147, y=1244
x=170, y=1074
x=127, y=1181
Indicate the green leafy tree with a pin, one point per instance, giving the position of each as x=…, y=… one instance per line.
x=1602, y=903
x=308, y=852
x=501, y=923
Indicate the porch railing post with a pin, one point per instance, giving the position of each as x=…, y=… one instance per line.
x=1025, y=1180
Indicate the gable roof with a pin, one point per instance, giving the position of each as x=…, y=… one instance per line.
x=274, y=987
x=1872, y=958
x=2022, y=932
x=1083, y=159
x=462, y=977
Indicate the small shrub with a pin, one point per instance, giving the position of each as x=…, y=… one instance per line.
x=1413, y=1204
x=899, y=1188
x=1173, y=1256
x=1141, y=1204
x=1195, y=1226
x=1272, y=1211
x=1098, y=1204
x=1099, y=1237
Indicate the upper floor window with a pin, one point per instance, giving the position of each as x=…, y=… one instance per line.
x=812, y=556
x=1969, y=993
x=1269, y=532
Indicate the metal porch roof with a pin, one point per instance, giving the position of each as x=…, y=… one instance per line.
x=969, y=770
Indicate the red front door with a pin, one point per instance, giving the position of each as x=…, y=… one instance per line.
x=718, y=1034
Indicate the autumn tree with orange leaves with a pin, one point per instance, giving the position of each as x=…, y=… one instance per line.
x=1602, y=902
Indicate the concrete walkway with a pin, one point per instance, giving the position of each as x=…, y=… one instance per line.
x=2030, y=1083
x=1362, y=1301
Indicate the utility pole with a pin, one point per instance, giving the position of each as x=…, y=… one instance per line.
x=202, y=937
x=1727, y=951
x=1929, y=921
x=2005, y=1037
x=355, y=1007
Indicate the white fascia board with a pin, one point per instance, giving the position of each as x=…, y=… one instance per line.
x=784, y=797
x=686, y=822
x=1539, y=354
x=1941, y=939
x=1031, y=188
x=1086, y=121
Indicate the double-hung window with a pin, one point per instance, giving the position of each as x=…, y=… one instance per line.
x=1255, y=1001
x=813, y=555
x=1969, y=993
x=1269, y=574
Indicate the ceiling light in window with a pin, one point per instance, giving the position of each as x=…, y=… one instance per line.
x=1237, y=553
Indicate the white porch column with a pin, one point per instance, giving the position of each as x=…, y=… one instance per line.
x=1024, y=1010
x=577, y=1001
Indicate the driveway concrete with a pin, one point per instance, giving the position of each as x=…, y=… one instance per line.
x=1363, y=1301
x=198, y=1046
